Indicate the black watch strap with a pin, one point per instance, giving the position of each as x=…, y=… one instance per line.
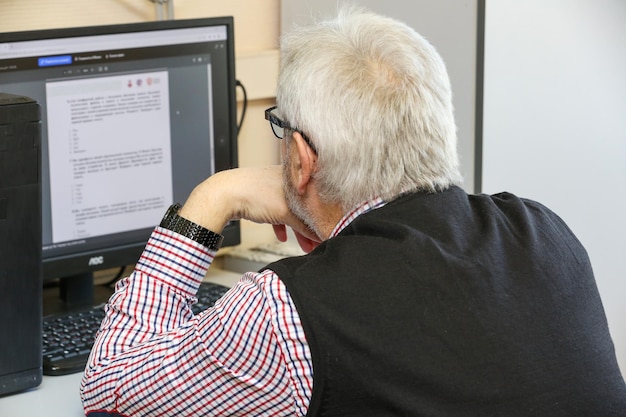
x=172, y=221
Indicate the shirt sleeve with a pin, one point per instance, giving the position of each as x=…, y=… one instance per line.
x=247, y=355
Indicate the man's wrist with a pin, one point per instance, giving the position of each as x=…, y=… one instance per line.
x=191, y=230
x=207, y=205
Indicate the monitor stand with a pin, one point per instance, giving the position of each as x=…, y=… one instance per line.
x=77, y=290
x=74, y=293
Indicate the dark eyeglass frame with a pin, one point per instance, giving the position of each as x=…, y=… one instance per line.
x=277, y=121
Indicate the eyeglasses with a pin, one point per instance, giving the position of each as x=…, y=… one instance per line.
x=279, y=125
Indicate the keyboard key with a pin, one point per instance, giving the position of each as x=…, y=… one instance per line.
x=68, y=338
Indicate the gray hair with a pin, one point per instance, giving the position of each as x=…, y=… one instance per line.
x=374, y=97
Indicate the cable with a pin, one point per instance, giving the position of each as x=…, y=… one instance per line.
x=245, y=106
x=119, y=275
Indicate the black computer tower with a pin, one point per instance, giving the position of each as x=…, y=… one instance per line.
x=20, y=244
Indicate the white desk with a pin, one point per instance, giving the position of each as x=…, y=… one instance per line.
x=58, y=395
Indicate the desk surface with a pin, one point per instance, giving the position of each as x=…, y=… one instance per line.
x=58, y=395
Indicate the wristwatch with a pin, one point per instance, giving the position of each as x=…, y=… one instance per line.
x=172, y=221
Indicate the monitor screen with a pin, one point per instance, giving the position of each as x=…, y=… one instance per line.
x=133, y=117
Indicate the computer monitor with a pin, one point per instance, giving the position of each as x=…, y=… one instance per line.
x=133, y=117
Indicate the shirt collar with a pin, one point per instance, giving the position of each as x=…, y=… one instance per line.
x=362, y=208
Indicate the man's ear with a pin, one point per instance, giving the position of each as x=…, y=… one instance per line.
x=305, y=163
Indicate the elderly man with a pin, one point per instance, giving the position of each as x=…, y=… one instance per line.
x=415, y=299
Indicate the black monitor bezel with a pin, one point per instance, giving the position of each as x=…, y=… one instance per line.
x=87, y=262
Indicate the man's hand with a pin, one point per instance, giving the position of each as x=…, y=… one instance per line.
x=254, y=194
x=306, y=242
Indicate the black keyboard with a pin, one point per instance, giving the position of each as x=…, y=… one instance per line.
x=68, y=337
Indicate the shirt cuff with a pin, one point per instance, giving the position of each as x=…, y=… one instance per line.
x=176, y=260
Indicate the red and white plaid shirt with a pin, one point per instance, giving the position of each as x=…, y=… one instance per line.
x=247, y=355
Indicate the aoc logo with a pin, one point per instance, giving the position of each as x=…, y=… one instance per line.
x=96, y=260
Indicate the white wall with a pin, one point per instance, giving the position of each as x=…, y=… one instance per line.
x=555, y=124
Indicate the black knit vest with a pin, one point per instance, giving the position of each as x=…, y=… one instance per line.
x=450, y=304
